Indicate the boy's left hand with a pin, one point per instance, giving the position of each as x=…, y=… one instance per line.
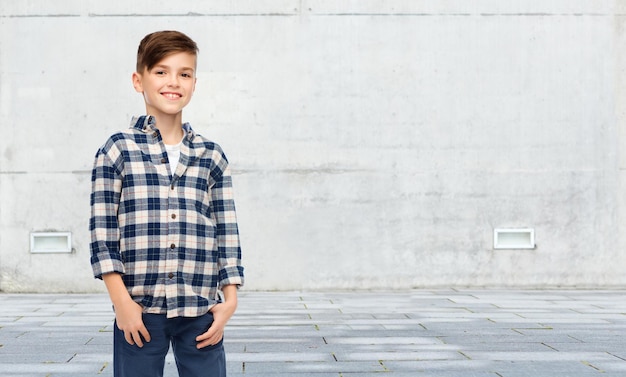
x=221, y=314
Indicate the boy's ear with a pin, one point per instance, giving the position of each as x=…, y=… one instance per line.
x=137, y=82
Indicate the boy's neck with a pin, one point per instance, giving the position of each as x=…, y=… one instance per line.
x=170, y=127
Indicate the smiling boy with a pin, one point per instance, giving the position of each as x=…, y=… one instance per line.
x=164, y=234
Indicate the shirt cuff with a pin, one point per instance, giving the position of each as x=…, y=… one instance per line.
x=231, y=276
x=108, y=266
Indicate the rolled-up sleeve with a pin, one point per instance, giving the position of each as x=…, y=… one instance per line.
x=223, y=209
x=106, y=189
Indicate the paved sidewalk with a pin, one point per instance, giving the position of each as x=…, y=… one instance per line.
x=464, y=333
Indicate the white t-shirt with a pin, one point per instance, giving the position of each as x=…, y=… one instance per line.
x=173, y=154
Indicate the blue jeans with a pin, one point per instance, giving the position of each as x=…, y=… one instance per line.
x=181, y=332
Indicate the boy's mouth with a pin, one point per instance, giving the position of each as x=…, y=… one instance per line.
x=170, y=95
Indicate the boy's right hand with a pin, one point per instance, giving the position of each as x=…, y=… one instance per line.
x=128, y=317
x=128, y=313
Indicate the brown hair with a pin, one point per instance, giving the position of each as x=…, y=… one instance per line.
x=156, y=46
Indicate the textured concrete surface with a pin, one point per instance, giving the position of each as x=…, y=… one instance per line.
x=439, y=333
x=374, y=143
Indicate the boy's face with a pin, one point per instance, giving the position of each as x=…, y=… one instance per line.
x=167, y=87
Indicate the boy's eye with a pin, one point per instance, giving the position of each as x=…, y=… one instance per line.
x=186, y=75
x=159, y=73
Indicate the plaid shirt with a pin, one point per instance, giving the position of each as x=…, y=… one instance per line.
x=173, y=237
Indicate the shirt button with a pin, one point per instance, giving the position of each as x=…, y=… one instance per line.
x=170, y=275
x=173, y=215
x=172, y=246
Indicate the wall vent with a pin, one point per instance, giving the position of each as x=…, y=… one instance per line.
x=51, y=242
x=509, y=238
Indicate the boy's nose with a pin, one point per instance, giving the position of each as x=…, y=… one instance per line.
x=173, y=82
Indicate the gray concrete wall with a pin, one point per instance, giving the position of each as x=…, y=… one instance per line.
x=374, y=143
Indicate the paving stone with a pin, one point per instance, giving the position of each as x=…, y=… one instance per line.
x=279, y=356
x=446, y=332
x=458, y=367
x=285, y=347
x=558, y=368
x=547, y=355
x=383, y=339
x=618, y=366
x=314, y=367
x=441, y=374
